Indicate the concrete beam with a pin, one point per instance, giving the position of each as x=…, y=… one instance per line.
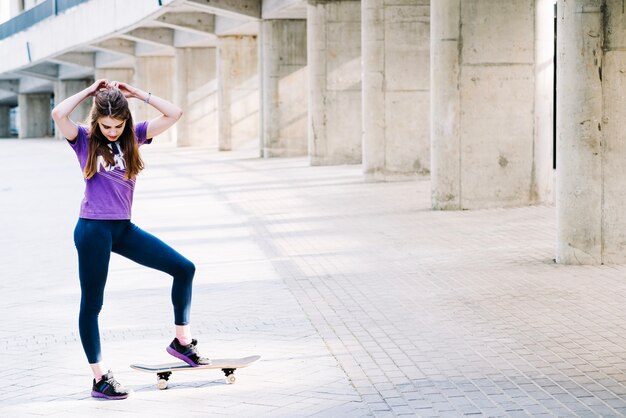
x=12, y=86
x=125, y=75
x=201, y=23
x=8, y=99
x=70, y=72
x=284, y=9
x=153, y=50
x=238, y=9
x=113, y=60
x=116, y=46
x=193, y=40
x=44, y=71
x=81, y=59
x=30, y=84
x=155, y=36
x=225, y=26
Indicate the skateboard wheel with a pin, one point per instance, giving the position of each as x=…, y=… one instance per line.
x=162, y=384
x=230, y=379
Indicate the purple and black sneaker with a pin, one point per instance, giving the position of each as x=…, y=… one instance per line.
x=109, y=388
x=188, y=353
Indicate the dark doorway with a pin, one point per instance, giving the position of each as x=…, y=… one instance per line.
x=554, y=95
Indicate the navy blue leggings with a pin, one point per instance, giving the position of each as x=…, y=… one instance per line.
x=95, y=239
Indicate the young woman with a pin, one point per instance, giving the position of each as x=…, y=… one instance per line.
x=108, y=154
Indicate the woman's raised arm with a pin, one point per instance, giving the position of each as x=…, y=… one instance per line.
x=61, y=112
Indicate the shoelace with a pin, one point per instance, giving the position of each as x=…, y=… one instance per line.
x=116, y=385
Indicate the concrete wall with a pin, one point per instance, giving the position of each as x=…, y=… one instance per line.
x=482, y=103
x=284, y=88
x=238, y=92
x=66, y=88
x=154, y=75
x=35, y=119
x=334, y=58
x=5, y=121
x=396, y=88
x=196, y=93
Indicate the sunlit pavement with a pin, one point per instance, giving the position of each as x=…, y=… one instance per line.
x=360, y=299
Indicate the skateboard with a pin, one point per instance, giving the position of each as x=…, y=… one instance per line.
x=164, y=371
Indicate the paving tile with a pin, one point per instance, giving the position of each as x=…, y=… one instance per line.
x=361, y=300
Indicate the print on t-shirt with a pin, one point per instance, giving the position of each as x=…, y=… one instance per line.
x=109, y=172
x=118, y=158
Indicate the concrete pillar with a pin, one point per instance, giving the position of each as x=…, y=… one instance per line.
x=238, y=92
x=154, y=74
x=66, y=88
x=590, y=197
x=196, y=94
x=543, y=167
x=482, y=85
x=396, y=88
x=334, y=60
x=35, y=120
x=284, y=88
x=5, y=121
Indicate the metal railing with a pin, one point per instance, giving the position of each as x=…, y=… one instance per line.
x=35, y=15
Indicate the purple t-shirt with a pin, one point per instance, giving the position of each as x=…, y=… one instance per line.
x=108, y=195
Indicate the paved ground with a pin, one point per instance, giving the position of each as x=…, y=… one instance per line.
x=361, y=300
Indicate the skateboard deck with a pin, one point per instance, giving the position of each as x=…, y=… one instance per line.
x=165, y=370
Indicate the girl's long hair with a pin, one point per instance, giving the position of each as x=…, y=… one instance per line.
x=112, y=103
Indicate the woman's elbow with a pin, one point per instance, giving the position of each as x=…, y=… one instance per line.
x=55, y=114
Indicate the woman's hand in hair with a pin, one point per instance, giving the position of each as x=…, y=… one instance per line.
x=127, y=90
x=98, y=85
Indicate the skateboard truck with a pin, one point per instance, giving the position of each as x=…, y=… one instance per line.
x=230, y=376
x=162, y=379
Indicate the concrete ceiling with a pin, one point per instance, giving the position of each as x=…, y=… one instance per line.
x=180, y=24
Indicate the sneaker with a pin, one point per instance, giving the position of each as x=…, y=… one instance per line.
x=109, y=388
x=188, y=353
